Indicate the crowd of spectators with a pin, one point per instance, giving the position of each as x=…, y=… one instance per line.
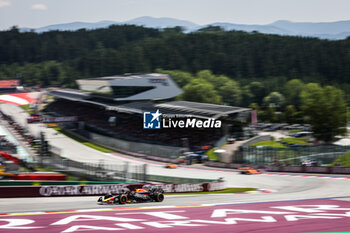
x=6, y=145
x=130, y=126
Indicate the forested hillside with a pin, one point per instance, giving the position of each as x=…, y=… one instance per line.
x=58, y=57
x=286, y=79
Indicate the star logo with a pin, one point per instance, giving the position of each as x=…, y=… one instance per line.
x=156, y=115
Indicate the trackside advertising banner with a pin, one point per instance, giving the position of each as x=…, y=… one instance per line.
x=9, y=83
x=96, y=190
x=59, y=119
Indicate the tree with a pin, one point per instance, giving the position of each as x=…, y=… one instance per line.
x=326, y=109
x=290, y=114
x=211, y=28
x=180, y=77
x=292, y=90
x=247, y=96
x=173, y=30
x=227, y=88
x=274, y=99
x=254, y=106
x=268, y=115
x=258, y=90
x=207, y=75
x=199, y=90
x=230, y=93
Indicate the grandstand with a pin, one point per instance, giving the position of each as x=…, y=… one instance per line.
x=125, y=98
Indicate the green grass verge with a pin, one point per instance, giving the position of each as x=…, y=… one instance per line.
x=298, y=141
x=26, y=107
x=270, y=143
x=86, y=143
x=294, y=131
x=50, y=97
x=343, y=160
x=228, y=190
x=212, y=156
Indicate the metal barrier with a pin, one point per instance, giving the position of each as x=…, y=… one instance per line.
x=55, y=182
x=137, y=147
x=274, y=168
x=97, y=171
x=102, y=189
x=168, y=179
x=294, y=155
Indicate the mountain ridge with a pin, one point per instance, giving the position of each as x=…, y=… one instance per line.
x=336, y=30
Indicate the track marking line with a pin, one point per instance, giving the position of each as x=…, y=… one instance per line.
x=29, y=213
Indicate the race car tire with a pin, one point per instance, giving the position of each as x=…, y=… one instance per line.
x=159, y=197
x=99, y=201
x=123, y=199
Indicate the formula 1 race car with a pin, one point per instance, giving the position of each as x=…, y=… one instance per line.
x=139, y=195
x=171, y=165
x=249, y=170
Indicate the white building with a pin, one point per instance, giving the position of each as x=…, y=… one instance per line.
x=131, y=87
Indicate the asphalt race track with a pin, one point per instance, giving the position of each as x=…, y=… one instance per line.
x=290, y=188
x=296, y=203
x=290, y=216
x=315, y=215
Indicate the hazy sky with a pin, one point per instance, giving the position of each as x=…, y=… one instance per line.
x=37, y=13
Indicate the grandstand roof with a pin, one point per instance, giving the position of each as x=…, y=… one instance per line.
x=200, y=110
x=124, y=76
x=195, y=108
x=131, y=87
x=70, y=94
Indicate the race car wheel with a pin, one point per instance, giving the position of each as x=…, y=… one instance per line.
x=123, y=199
x=159, y=197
